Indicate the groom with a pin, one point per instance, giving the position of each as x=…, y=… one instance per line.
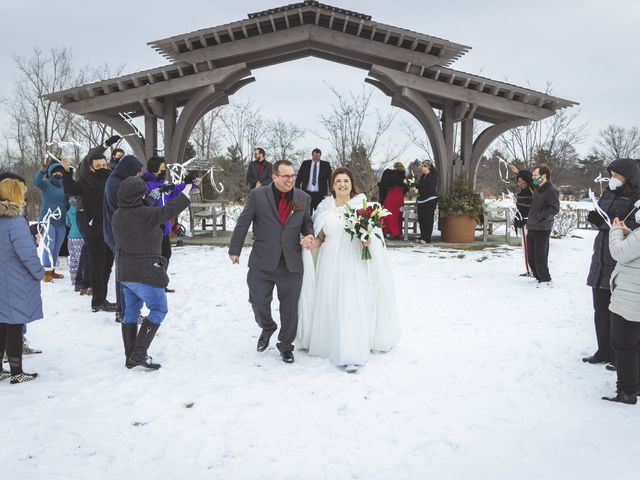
x=280, y=216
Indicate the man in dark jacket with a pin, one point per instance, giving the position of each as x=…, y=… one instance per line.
x=545, y=205
x=128, y=166
x=90, y=187
x=314, y=178
x=259, y=171
x=140, y=266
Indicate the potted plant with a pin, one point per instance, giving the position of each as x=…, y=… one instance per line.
x=460, y=211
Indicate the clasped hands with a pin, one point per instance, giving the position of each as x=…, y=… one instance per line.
x=619, y=223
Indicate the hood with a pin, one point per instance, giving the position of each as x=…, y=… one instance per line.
x=128, y=166
x=525, y=175
x=131, y=191
x=628, y=168
x=54, y=166
x=10, y=209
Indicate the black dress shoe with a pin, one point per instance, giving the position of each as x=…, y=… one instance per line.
x=611, y=366
x=287, y=357
x=263, y=342
x=594, y=359
x=169, y=290
x=622, y=397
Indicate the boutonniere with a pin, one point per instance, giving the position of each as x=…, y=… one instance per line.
x=295, y=207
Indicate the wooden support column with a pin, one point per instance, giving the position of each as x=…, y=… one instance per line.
x=449, y=140
x=150, y=137
x=169, y=119
x=466, y=145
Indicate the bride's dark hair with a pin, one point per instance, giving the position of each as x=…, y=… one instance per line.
x=348, y=173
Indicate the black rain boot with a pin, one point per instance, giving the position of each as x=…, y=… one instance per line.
x=129, y=334
x=139, y=356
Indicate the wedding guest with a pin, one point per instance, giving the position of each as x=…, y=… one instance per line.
x=545, y=205
x=427, y=201
x=616, y=201
x=159, y=191
x=116, y=156
x=259, y=170
x=140, y=266
x=314, y=178
x=624, y=246
x=20, y=300
x=128, y=166
x=75, y=242
x=90, y=188
x=54, y=206
x=523, y=203
x=392, y=183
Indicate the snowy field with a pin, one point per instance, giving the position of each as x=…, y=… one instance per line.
x=487, y=383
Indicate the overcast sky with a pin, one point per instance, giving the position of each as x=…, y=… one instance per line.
x=586, y=48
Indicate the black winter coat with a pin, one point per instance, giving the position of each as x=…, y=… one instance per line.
x=90, y=188
x=615, y=203
x=545, y=205
x=427, y=186
x=138, y=236
x=390, y=178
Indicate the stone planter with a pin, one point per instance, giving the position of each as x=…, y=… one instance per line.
x=458, y=229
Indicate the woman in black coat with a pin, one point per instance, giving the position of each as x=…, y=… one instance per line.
x=616, y=201
x=427, y=190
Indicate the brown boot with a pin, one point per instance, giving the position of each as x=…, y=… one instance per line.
x=56, y=275
x=48, y=276
x=86, y=291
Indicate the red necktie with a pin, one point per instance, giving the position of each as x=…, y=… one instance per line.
x=283, y=209
x=259, y=168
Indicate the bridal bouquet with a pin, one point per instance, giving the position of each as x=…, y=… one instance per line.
x=362, y=223
x=410, y=181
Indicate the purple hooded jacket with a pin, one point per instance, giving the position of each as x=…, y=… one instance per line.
x=154, y=182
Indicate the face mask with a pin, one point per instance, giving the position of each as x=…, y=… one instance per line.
x=162, y=174
x=614, y=183
x=537, y=181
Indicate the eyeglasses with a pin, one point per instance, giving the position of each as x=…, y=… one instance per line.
x=287, y=177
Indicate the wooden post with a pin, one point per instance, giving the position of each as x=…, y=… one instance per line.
x=150, y=136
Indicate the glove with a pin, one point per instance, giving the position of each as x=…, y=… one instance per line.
x=111, y=140
x=517, y=223
x=191, y=176
x=155, y=193
x=595, y=218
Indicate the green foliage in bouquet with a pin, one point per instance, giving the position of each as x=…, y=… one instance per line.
x=462, y=200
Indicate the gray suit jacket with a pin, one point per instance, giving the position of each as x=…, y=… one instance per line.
x=272, y=239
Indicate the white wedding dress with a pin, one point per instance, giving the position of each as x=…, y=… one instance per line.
x=347, y=305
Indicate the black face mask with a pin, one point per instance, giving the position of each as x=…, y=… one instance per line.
x=162, y=174
x=101, y=173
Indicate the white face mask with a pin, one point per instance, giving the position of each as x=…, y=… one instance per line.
x=614, y=183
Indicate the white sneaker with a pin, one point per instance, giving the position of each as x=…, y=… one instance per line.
x=351, y=368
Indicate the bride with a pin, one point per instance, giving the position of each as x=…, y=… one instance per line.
x=347, y=305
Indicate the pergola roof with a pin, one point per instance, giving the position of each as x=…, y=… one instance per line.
x=203, y=57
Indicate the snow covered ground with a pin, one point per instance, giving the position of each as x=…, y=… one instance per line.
x=487, y=383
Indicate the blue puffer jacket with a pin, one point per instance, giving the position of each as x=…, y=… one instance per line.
x=21, y=271
x=128, y=166
x=53, y=195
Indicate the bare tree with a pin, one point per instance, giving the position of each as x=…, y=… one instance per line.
x=557, y=135
x=346, y=124
x=618, y=142
x=242, y=128
x=203, y=137
x=282, y=139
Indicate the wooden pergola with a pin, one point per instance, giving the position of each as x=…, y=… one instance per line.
x=207, y=66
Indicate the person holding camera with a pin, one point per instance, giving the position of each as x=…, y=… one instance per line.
x=159, y=192
x=616, y=202
x=140, y=266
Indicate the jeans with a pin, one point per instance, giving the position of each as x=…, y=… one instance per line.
x=135, y=294
x=53, y=239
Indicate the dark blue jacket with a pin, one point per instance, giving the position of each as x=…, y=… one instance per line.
x=20, y=300
x=53, y=195
x=129, y=166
